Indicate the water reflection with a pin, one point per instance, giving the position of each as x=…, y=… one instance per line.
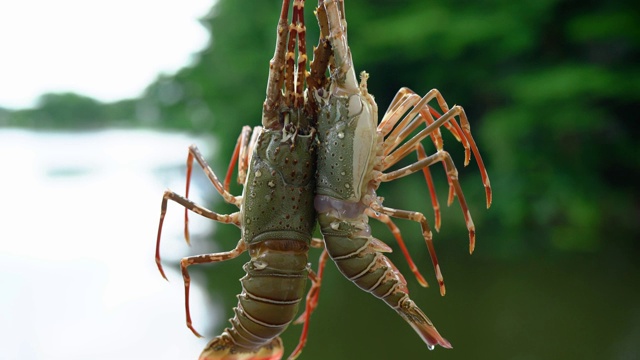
x=79, y=213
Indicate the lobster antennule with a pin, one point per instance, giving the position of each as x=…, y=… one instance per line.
x=222, y=348
x=421, y=324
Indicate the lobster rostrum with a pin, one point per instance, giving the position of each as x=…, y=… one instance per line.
x=353, y=154
x=276, y=165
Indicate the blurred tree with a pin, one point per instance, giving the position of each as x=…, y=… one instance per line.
x=71, y=111
x=60, y=110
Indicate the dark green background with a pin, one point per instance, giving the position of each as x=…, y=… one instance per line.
x=552, y=91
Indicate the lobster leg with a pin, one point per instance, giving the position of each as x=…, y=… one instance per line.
x=393, y=123
x=410, y=123
x=223, y=189
x=241, y=156
x=188, y=205
x=402, y=102
x=395, y=152
x=442, y=156
x=194, y=153
x=432, y=190
x=426, y=233
x=427, y=115
x=398, y=236
x=452, y=174
x=465, y=129
x=310, y=304
x=453, y=127
x=204, y=259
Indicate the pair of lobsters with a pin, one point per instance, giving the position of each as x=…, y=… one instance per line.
x=319, y=156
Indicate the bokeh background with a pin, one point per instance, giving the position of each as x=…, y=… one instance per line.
x=552, y=91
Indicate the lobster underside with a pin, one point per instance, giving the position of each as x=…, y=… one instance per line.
x=354, y=152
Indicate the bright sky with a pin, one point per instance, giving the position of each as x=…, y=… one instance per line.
x=106, y=49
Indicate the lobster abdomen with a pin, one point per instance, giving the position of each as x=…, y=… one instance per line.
x=360, y=260
x=271, y=293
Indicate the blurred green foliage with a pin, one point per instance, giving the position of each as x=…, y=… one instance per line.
x=552, y=91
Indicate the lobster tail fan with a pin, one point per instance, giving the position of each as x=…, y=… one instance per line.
x=223, y=348
x=421, y=324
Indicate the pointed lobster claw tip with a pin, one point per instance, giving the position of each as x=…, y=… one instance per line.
x=445, y=344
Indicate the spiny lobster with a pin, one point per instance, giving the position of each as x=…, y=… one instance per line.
x=276, y=165
x=353, y=154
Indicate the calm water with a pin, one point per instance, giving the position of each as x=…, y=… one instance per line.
x=78, y=219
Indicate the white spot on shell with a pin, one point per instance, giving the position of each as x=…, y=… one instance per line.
x=341, y=135
x=335, y=225
x=259, y=265
x=347, y=185
x=258, y=173
x=271, y=184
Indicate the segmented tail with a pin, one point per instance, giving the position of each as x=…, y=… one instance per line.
x=359, y=258
x=421, y=324
x=223, y=348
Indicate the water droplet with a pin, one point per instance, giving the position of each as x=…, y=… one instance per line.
x=431, y=347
